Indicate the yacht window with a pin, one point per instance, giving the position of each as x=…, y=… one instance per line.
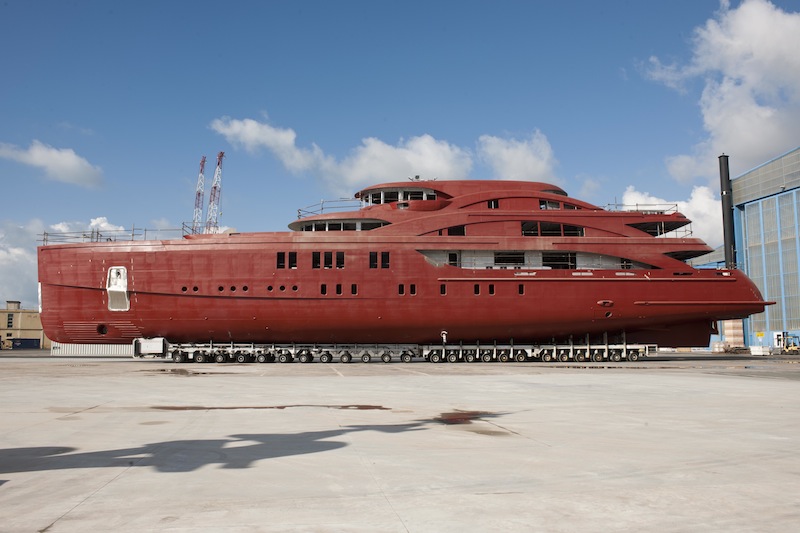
x=530, y=229
x=549, y=204
x=457, y=230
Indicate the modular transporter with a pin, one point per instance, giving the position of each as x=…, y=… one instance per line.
x=441, y=270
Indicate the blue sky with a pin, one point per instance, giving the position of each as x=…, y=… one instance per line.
x=107, y=107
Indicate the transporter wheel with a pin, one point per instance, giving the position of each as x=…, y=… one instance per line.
x=579, y=357
x=284, y=358
x=305, y=357
x=406, y=357
x=261, y=358
x=487, y=357
x=325, y=358
x=452, y=358
x=435, y=357
x=386, y=358
x=547, y=357
x=345, y=357
x=616, y=357
x=521, y=357
x=597, y=357
x=178, y=357
x=200, y=357
x=469, y=357
x=633, y=356
x=241, y=358
x=563, y=357
x=503, y=357
x=220, y=358
x=366, y=358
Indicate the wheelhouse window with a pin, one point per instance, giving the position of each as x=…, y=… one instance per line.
x=493, y=204
x=549, y=204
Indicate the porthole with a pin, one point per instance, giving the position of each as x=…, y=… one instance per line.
x=233, y=288
x=102, y=329
x=269, y=288
x=194, y=289
x=282, y=288
x=184, y=289
x=244, y=288
x=294, y=288
x=220, y=288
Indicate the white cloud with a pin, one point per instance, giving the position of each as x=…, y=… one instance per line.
x=59, y=164
x=375, y=160
x=702, y=208
x=529, y=159
x=18, y=270
x=748, y=61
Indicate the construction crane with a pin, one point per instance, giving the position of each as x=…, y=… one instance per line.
x=197, y=221
x=212, y=216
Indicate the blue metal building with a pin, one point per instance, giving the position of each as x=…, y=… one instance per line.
x=766, y=220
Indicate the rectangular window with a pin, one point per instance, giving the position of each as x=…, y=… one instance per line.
x=328, y=259
x=314, y=259
x=373, y=259
x=323, y=289
x=549, y=204
x=521, y=289
x=550, y=229
x=292, y=259
x=625, y=264
x=509, y=259
x=530, y=229
x=339, y=289
x=281, y=260
x=412, y=289
x=339, y=259
x=443, y=289
x=457, y=230
x=353, y=289
x=401, y=289
x=10, y=321
x=453, y=259
x=491, y=289
x=477, y=289
x=573, y=231
x=559, y=260
x=493, y=204
x=384, y=259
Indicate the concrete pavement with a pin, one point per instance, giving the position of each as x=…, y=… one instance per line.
x=677, y=444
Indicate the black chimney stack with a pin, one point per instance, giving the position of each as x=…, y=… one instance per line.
x=727, y=212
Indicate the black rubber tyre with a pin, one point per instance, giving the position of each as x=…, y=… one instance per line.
x=200, y=358
x=435, y=357
x=220, y=358
x=406, y=358
x=345, y=358
x=452, y=358
x=487, y=358
x=325, y=358
x=261, y=358
x=386, y=358
x=241, y=358
x=469, y=358
x=633, y=356
x=178, y=357
x=284, y=358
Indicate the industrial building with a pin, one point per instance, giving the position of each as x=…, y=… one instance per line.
x=766, y=203
x=21, y=329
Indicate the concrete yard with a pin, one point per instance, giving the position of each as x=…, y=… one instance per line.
x=686, y=443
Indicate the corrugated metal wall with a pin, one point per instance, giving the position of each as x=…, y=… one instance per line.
x=91, y=349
